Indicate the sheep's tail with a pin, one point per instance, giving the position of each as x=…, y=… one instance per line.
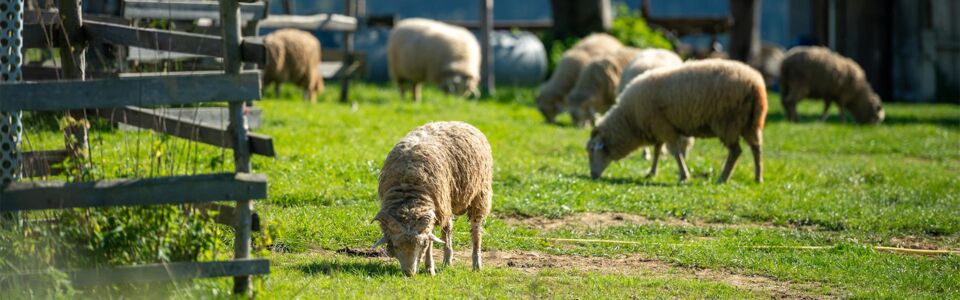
x=759, y=106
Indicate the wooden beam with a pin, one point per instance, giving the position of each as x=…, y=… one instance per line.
x=317, y=22
x=42, y=163
x=252, y=49
x=186, y=10
x=153, y=38
x=140, y=91
x=532, y=25
x=156, y=272
x=179, y=127
x=37, y=195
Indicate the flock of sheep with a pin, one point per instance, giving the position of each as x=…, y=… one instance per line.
x=647, y=98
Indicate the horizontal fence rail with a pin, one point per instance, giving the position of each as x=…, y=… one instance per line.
x=187, y=10
x=182, y=128
x=138, y=91
x=37, y=195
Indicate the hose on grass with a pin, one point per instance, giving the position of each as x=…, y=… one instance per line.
x=929, y=252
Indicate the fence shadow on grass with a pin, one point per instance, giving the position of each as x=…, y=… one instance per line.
x=370, y=268
x=834, y=118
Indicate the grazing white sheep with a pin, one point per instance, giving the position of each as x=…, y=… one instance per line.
x=437, y=171
x=553, y=93
x=820, y=73
x=293, y=56
x=596, y=88
x=708, y=98
x=422, y=50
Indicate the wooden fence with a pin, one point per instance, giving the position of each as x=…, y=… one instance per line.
x=117, y=99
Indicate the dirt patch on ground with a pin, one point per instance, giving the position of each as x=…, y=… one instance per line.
x=533, y=262
x=587, y=220
x=926, y=243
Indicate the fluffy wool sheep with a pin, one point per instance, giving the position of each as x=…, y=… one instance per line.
x=818, y=72
x=422, y=50
x=668, y=106
x=596, y=88
x=552, y=94
x=437, y=171
x=646, y=60
x=293, y=56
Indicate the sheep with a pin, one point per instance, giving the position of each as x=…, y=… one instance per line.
x=708, y=98
x=551, y=95
x=596, y=87
x=422, y=50
x=647, y=59
x=293, y=56
x=438, y=170
x=818, y=72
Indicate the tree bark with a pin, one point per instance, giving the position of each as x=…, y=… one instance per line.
x=745, y=34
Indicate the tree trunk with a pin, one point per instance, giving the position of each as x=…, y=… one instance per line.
x=745, y=34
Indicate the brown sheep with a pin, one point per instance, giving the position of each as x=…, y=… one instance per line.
x=437, y=171
x=293, y=56
x=552, y=94
x=820, y=73
x=596, y=88
x=708, y=98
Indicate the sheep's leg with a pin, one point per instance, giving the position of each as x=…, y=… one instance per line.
x=428, y=258
x=680, y=156
x=733, y=154
x=790, y=102
x=401, y=84
x=656, y=160
x=476, y=230
x=757, y=162
x=826, y=110
x=843, y=113
x=447, y=234
x=416, y=91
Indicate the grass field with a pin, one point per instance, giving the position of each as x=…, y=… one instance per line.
x=839, y=187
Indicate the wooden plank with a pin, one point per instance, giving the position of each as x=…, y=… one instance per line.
x=157, y=39
x=182, y=128
x=317, y=22
x=37, y=195
x=42, y=163
x=156, y=272
x=533, y=25
x=140, y=91
x=186, y=10
x=252, y=49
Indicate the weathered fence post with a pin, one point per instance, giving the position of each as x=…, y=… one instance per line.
x=11, y=39
x=230, y=26
x=73, y=59
x=487, y=85
x=350, y=9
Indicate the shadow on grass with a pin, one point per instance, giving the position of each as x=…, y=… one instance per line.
x=372, y=268
x=639, y=181
x=834, y=118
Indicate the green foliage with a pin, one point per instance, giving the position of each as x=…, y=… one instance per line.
x=630, y=28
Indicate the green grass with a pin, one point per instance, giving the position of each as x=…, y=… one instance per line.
x=826, y=184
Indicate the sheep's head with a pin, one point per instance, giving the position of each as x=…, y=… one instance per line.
x=461, y=85
x=868, y=109
x=407, y=236
x=599, y=152
x=580, y=107
x=550, y=104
